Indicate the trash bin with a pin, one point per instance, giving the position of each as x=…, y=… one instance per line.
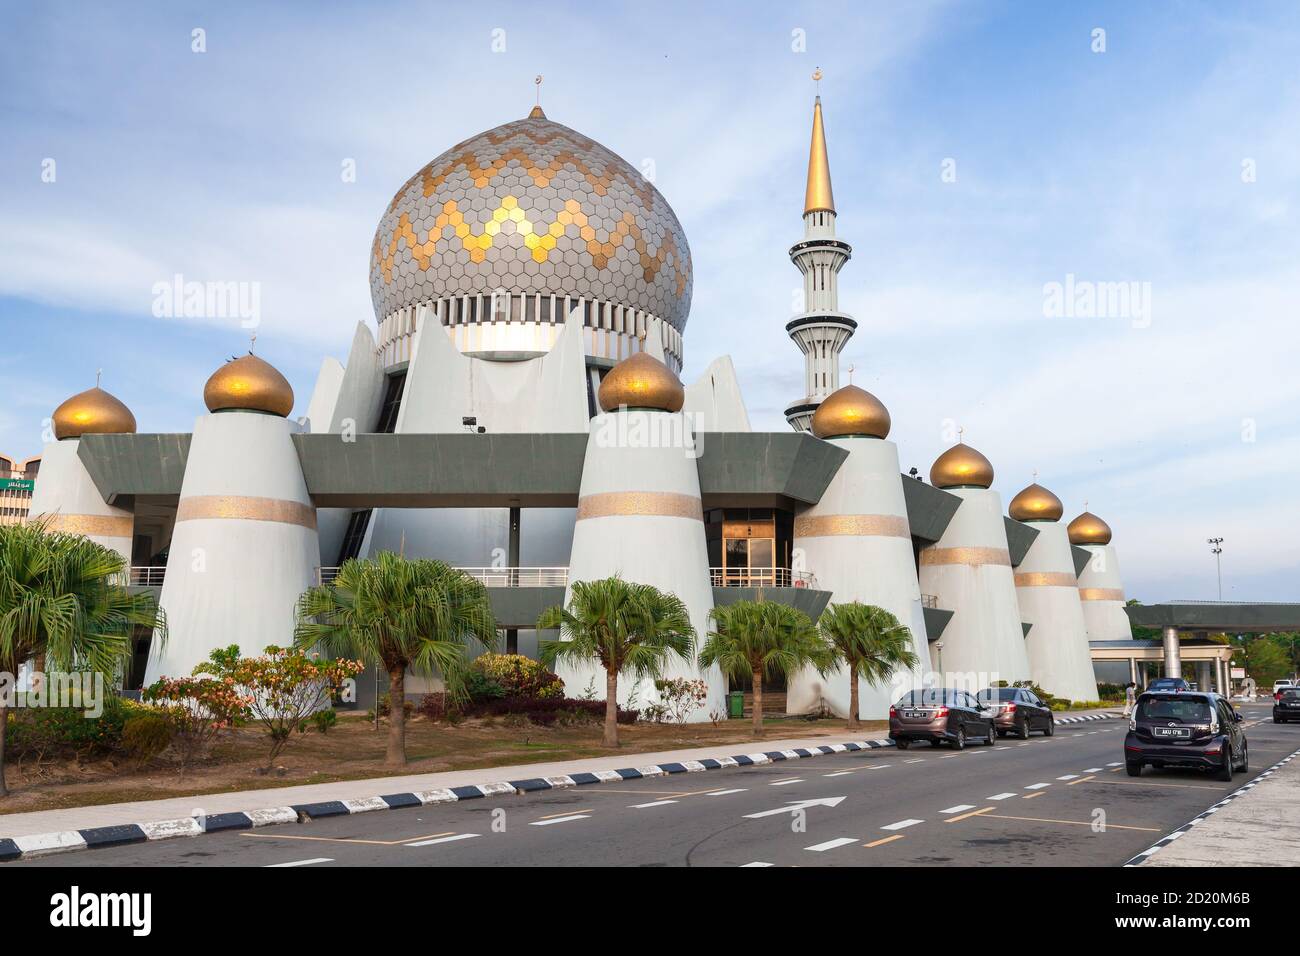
x=736, y=704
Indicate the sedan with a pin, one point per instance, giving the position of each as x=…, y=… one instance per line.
x=1286, y=705
x=1018, y=711
x=941, y=715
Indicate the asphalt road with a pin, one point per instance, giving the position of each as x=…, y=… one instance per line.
x=1016, y=803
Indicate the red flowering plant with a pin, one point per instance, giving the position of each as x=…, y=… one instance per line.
x=198, y=709
x=284, y=687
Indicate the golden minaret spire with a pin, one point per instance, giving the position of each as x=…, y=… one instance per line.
x=818, y=197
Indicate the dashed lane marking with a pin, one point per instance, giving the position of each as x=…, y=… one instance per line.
x=567, y=818
x=1037, y=786
x=831, y=844
x=1000, y=796
x=756, y=863
x=915, y=760
x=314, y=860
x=653, y=803
x=319, y=839
x=1074, y=823
x=838, y=773
x=1094, y=770
x=1091, y=776
x=723, y=793
x=959, y=808
x=782, y=783
x=1115, y=763
x=1069, y=776
x=902, y=824
x=454, y=838
x=967, y=816
x=888, y=839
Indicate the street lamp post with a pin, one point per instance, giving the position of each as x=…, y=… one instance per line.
x=1216, y=550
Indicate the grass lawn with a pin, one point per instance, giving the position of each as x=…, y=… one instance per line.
x=353, y=750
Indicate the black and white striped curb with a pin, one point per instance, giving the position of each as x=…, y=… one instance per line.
x=1202, y=817
x=1079, y=720
x=44, y=844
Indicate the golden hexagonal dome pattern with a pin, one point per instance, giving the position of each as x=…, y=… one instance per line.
x=92, y=412
x=533, y=207
x=851, y=411
x=961, y=465
x=641, y=382
x=248, y=383
x=1036, y=503
x=1088, y=529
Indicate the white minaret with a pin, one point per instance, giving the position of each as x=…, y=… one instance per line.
x=858, y=543
x=65, y=498
x=821, y=330
x=244, y=545
x=640, y=515
x=969, y=570
x=1101, y=592
x=1046, y=588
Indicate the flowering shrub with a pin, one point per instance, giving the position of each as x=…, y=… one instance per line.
x=519, y=676
x=679, y=697
x=283, y=687
x=37, y=732
x=198, y=708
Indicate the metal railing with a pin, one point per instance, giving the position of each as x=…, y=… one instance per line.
x=146, y=575
x=761, y=578
x=929, y=600
x=491, y=577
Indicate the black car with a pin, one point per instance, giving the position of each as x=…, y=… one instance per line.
x=1018, y=711
x=1168, y=683
x=941, y=714
x=1185, y=729
x=1286, y=705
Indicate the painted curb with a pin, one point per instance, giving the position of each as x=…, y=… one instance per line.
x=43, y=844
x=1206, y=814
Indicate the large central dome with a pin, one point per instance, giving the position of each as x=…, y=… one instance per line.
x=532, y=207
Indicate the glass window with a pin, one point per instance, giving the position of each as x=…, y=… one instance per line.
x=1184, y=710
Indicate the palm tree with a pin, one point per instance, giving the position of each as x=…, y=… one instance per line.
x=63, y=600
x=399, y=614
x=622, y=626
x=762, y=638
x=871, y=644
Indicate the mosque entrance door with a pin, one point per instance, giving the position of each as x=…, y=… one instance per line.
x=749, y=553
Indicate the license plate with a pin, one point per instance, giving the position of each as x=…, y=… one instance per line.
x=1171, y=732
x=916, y=714
x=1293, y=703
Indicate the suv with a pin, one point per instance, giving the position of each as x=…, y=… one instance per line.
x=1286, y=705
x=1185, y=729
x=1282, y=685
x=1018, y=710
x=1168, y=683
x=939, y=714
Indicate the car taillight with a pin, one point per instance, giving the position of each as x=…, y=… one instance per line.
x=893, y=712
x=1008, y=708
x=941, y=712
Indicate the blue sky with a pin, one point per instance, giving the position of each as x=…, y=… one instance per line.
x=1126, y=165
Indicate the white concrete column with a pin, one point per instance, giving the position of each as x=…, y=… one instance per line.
x=1101, y=593
x=1048, y=595
x=67, y=499
x=1173, y=653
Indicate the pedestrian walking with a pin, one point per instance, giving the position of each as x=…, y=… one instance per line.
x=1130, y=695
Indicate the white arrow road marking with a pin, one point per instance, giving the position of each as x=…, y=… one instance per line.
x=318, y=859
x=1037, y=786
x=832, y=844
x=723, y=793
x=1001, y=796
x=568, y=819
x=902, y=824
x=794, y=805
x=654, y=803
x=959, y=808
x=450, y=839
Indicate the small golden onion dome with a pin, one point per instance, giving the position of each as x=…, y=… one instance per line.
x=642, y=381
x=850, y=411
x=92, y=412
x=1036, y=503
x=248, y=382
x=961, y=465
x=1088, y=529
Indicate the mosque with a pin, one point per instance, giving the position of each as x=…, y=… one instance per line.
x=516, y=410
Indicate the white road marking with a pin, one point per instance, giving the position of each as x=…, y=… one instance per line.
x=838, y=773
x=653, y=803
x=959, y=808
x=1069, y=776
x=1094, y=770
x=832, y=844
x=318, y=859
x=1037, y=786
x=568, y=819
x=723, y=793
x=1116, y=763
x=879, y=766
x=1000, y=796
x=755, y=863
x=782, y=783
x=449, y=839
x=915, y=760
x=902, y=825
x=796, y=805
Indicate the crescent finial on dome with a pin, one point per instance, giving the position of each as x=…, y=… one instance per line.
x=251, y=384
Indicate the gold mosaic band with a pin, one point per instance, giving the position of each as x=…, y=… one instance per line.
x=974, y=557
x=664, y=504
x=104, y=526
x=1101, y=594
x=247, y=507
x=825, y=526
x=1046, y=579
